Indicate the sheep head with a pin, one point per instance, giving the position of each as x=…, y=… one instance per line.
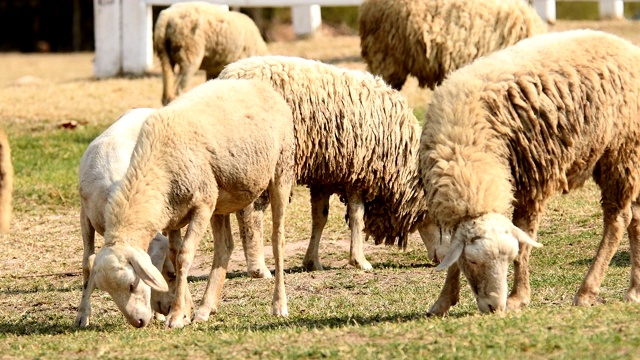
x=128, y=275
x=483, y=247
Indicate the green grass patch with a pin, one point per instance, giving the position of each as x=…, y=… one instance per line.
x=46, y=166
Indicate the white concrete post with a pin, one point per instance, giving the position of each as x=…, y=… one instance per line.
x=108, y=36
x=306, y=19
x=546, y=9
x=611, y=9
x=137, y=39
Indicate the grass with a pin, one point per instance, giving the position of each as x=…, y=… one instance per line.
x=337, y=313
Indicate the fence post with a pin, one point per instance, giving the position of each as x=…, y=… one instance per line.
x=137, y=39
x=611, y=9
x=306, y=19
x=108, y=35
x=546, y=9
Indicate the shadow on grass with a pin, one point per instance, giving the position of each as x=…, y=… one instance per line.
x=331, y=322
x=56, y=326
x=620, y=259
x=301, y=269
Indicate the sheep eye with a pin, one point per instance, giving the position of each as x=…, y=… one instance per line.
x=131, y=287
x=171, y=275
x=472, y=262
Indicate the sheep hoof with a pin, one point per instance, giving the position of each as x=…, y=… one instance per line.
x=159, y=317
x=633, y=295
x=82, y=321
x=311, y=265
x=588, y=299
x=361, y=264
x=176, y=321
x=280, y=311
x=515, y=303
x=439, y=309
x=201, y=315
x=263, y=273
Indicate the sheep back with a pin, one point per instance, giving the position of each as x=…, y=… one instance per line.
x=352, y=132
x=539, y=117
x=430, y=38
x=221, y=143
x=203, y=34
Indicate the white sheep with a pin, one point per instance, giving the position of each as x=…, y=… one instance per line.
x=211, y=152
x=101, y=169
x=430, y=38
x=508, y=131
x=199, y=35
x=6, y=183
x=355, y=136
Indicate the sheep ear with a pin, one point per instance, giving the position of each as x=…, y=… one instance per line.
x=523, y=237
x=143, y=267
x=455, y=250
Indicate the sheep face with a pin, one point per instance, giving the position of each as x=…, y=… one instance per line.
x=483, y=247
x=127, y=274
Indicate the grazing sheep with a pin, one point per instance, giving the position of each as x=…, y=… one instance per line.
x=102, y=167
x=430, y=38
x=6, y=183
x=506, y=132
x=354, y=136
x=211, y=152
x=199, y=35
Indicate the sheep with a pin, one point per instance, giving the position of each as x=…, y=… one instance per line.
x=199, y=35
x=506, y=132
x=430, y=38
x=102, y=167
x=6, y=183
x=209, y=153
x=354, y=136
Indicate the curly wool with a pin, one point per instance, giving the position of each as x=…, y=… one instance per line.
x=526, y=122
x=200, y=35
x=6, y=183
x=352, y=132
x=430, y=38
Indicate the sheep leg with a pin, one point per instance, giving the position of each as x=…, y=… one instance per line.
x=250, y=225
x=88, y=240
x=222, y=249
x=520, y=295
x=319, y=214
x=169, y=266
x=615, y=221
x=179, y=315
x=633, y=294
x=279, y=192
x=356, y=223
x=168, y=78
x=450, y=293
x=187, y=69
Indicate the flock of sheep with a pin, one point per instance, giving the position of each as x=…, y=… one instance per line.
x=516, y=116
